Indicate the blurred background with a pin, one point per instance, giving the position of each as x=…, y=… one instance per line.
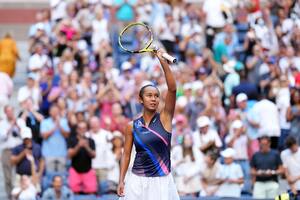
x=64, y=82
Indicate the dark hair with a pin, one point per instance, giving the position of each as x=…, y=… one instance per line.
x=264, y=137
x=290, y=141
x=56, y=176
x=142, y=90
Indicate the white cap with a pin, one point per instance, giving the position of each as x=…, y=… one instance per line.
x=187, y=86
x=229, y=66
x=228, y=153
x=237, y=124
x=241, y=97
x=117, y=134
x=32, y=76
x=197, y=85
x=23, y=95
x=40, y=26
x=26, y=133
x=126, y=65
x=182, y=101
x=203, y=121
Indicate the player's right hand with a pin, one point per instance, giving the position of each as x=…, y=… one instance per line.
x=120, y=190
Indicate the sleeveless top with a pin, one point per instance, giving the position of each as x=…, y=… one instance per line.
x=153, y=145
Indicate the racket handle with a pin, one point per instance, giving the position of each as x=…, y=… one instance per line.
x=169, y=58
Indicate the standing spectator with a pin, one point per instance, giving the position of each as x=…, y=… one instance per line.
x=206, y=137
x=28, y=157
x=266, y=165
x=231, y=176
x=215, y=21
x=8, y=55
x=81, y=151
x=30, y=90
x=210, y=174
x=186, y=162
x=38, y=60
x=268, y=120
x=32, y=118
x=58, y=190
x=6, y=90
x=101, y=139
x=10, y=138
x=54, y=131
x=291, y=162
x=293, y=113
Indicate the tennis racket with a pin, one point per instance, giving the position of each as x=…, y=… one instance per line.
x=137, y=38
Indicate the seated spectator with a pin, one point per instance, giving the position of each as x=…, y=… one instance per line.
x=238, y=141
x=291, y=162
x=231, y=175
x=54, y=131
x=266, y=165
x=26, y=190
x=58, y=191
x=28, y=158
x=81, y=151
x=210, y=174
x=206, y=137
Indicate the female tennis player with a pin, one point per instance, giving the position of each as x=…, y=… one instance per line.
x=151, y=178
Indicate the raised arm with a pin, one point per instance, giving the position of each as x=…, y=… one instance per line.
x=125, y=160
x=168, y=111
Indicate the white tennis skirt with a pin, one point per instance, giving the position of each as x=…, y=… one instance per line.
x=150, y=188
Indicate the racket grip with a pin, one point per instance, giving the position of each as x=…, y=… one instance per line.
x=169, y=58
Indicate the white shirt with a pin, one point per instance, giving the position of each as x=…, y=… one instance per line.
x=114, y=171
x=291, y=161
x=232, y=171
x=240, y=145
x=283, y=102
x=202, y=139
x=214, y=16
x=100, y=32
x=187, y=168
x=6, y=85
x=28, y=194
x=103, y=149
x=268, y=118
x=35, y=94
x=37, y=61
x=7, y=140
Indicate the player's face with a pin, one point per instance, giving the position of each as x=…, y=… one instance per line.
x=150, y=98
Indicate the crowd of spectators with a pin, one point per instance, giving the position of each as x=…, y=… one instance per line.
x=236, y=127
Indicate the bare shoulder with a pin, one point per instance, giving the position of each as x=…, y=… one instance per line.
x=128, y=128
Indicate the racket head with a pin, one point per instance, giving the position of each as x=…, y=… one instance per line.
x=136, y=37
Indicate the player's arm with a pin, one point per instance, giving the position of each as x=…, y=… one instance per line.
x=168, y=111
x=125, y=160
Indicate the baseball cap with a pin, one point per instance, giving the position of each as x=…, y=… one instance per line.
x=237, y=124
x=203, y=121
x=228, y=153
x=26, y=133
x=241, y=97
x=32, y=76
x=23, y=95
x=126, y=65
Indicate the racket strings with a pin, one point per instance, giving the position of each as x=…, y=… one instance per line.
x=136, y=38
